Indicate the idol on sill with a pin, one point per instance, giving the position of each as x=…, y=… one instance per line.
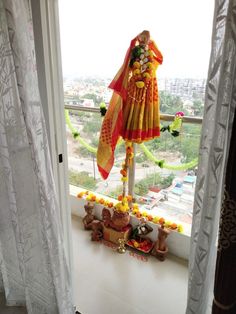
x=160, y=248
x=89, y=218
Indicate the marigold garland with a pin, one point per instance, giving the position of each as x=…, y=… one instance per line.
x=159, y=162
x=122, y=206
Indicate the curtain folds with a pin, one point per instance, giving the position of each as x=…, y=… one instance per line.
x=225, y=276
x=214, y=147
x=33, y=265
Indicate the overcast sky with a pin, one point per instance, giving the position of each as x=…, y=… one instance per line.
x=95, y=34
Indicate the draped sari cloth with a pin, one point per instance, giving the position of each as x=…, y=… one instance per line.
x=133, y=112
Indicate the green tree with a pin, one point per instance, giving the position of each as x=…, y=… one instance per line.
x=93, y=125
x=167, y=181
x=198, y=107
x=170, y=103
x=97, y=99
x=142, y=186
x=82, y=151
x=116, y=192
x=190, y=142
x=82, y=179
x=190, y=149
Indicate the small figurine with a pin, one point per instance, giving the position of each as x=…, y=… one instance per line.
x=142, y=229
x=106, y=217
x=160, y=248
x=121, y=248
x=89, y=218
x=97, y=228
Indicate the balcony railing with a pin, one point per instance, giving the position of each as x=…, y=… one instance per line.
x=86, y=122
x=163, y=117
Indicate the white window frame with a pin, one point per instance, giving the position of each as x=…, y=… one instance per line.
x=45, y=15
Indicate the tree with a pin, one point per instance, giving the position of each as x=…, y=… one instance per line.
x=97, y=99
x=167, y=181
x=116, y=192
x=198, y=107
x=190, y=149
x=82, y=179
x=170, y=103
x=142, y=186
x=82, y=151
x=190, y=142
x=93, y=125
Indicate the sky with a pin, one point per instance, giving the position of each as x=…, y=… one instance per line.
x=95, y=35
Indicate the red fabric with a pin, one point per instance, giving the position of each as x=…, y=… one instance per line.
x=119, y=83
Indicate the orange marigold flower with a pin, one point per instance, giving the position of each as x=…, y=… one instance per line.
x=129, y=150
x=129, y=198
x=101, y=201
x=123, y=172
x=149, y=217
x=173, y=225
x=80, y=194
x=161, y=221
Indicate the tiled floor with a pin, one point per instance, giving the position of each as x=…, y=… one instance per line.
x=107, y=282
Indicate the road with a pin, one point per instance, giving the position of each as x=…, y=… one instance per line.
x=113, y=181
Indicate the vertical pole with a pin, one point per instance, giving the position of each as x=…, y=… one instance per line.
x=94, y=174
x=132, y=173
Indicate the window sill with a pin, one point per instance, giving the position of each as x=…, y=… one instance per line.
x=178, y=243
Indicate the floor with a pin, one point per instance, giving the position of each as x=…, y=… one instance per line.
x=10, y=309
x=107, y=282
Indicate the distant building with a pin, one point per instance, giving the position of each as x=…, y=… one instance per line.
x=88, y=103
x=187, y=89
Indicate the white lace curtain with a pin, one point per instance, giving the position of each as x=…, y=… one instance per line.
x=32, y=259
x=219, y=114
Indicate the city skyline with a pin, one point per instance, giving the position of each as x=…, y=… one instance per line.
x=94, y=42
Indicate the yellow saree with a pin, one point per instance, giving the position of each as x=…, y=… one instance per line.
x=133, y=112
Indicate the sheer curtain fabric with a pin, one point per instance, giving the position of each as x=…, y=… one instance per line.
x=214, y=147
x=33, y=265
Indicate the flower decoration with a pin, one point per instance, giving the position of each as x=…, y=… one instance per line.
x=80, y=194
x=135, y=211
x=155, y=220
x=175, y=127
x=75, y=134
x=136, y=65
x=149, y=217
x=103, y=109
x=137, y=72
x=162, y=221
x=142, y=65
x=122, y=206
x=140, y=84
x=160, y=163
x=110, y=204
x=129, y=198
